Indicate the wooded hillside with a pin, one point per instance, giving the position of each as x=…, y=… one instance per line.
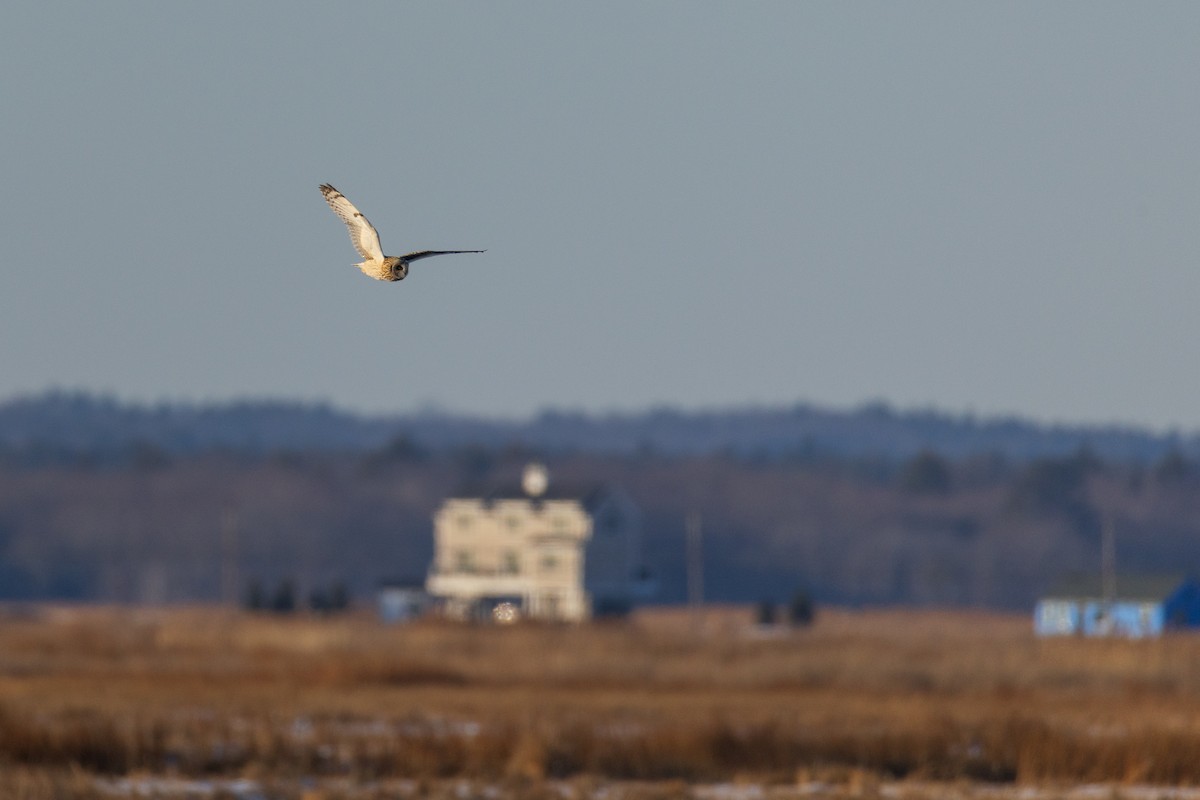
x=977, y=531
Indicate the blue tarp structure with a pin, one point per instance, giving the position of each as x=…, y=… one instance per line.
x=1141, y=606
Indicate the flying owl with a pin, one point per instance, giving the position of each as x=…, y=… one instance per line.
x=366, y=241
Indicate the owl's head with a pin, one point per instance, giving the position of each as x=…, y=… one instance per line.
x=394, y=268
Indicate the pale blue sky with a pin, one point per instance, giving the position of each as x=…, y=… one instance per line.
x=987, y=207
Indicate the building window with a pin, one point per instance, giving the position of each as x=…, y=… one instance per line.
x=512, y=565
x=549, y=562
x=462, y=561
x=512, y=523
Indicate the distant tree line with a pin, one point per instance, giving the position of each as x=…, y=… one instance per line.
x=55, y=425
x=133, y=521
x=283, y=598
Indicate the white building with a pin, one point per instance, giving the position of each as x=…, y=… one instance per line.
x=551, y=553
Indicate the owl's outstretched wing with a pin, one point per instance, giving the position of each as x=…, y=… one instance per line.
x=427, y=253
x=362, y=232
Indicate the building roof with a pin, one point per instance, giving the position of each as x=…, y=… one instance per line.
x=1132, y=586
x=589, y=496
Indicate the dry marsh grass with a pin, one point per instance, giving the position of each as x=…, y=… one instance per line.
x=663, y=697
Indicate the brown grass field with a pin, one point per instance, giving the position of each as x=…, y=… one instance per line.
x=102, y=702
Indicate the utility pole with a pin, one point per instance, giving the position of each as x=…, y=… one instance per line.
x=695, y=566
x=1108, y=564
x=229, y=558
